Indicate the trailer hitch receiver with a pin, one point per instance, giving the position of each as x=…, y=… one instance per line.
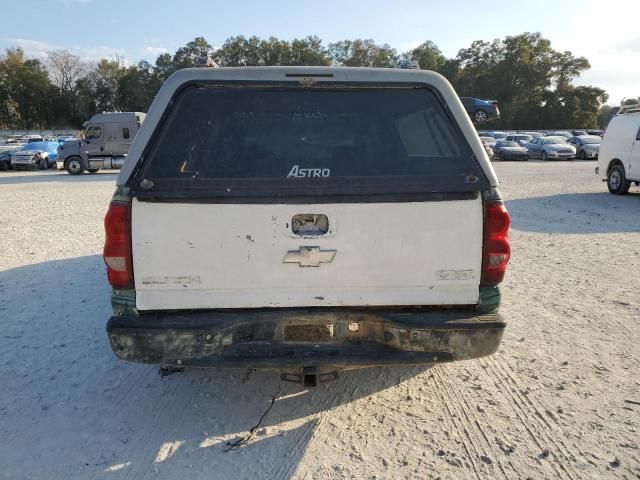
x=310, y=377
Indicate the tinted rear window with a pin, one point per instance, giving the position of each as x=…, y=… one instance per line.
x=299, y=141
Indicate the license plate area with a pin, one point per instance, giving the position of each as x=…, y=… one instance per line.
x=309, y=333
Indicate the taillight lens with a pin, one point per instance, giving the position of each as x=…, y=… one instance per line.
x=117, y=245
x=496, y=250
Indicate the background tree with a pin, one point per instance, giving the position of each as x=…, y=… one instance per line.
x=65, y=71
x=137, y=86
x=164, y=67
x=309, y=51
x=428, y=56
x=273, y=51
x=604, y=115
x=106, y=78
x=252, y=51
x=188, y=55
x=28, y=88
x=533, y=83
x=7, y=104
x=363, y=53
x=240, y=51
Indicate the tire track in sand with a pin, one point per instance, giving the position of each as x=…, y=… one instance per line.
x=465, y=419
x=470, y=413
x=467, y=442
x=532, y=419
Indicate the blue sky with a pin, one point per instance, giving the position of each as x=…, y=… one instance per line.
x=137, y=29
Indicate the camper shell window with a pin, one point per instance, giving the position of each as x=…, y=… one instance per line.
x=291, y=140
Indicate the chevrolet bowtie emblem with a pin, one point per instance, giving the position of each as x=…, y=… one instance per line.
x=309, y=256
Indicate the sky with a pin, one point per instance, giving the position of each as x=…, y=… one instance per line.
x=602, y=31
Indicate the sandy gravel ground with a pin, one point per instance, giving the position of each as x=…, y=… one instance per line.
x=561, y=398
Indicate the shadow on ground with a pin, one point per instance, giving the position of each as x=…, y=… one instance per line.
x=70, y=409
x=579, y=213
x=13, y=177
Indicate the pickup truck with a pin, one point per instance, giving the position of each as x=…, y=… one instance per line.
x=306, y=220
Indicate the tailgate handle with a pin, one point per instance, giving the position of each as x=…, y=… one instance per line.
x=307, y=224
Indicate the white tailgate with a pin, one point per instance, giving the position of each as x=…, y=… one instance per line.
x=189, y=256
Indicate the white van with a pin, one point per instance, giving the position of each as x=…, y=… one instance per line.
x=619, y=160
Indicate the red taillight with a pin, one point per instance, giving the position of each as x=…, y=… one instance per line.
x=117, y=245
x=496, y=250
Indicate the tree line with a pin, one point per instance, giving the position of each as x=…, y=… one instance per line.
x=532, y=81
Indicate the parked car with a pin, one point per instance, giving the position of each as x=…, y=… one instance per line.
x=40, y=155
x=5, y=155
x=521, y=138
x=497, y=135
x=488, y=148
x=578, y=133
x=619, y=159
x=298, y=229
x=559, y=133
x=596, y=131
x=33, y=138
x=490, y=141
x=587, y=146
x=533, y=133
x=480, y=110
x=551, y=148
x=506, y=150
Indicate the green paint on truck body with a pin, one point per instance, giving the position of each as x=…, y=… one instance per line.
x=123, y=302
x=489, y=299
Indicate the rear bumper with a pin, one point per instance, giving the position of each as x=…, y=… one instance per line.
x=296, y=337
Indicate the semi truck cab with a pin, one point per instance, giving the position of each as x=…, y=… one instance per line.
x=107, y=138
